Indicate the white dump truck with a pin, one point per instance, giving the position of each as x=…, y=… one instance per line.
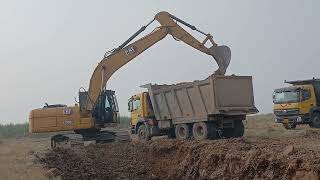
x=205, y=109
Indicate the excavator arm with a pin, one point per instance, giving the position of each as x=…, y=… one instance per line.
x=126, y=52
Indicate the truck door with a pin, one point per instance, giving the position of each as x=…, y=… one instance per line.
x=307, y=100
x=136, y=109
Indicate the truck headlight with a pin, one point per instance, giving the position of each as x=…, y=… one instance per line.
x=299, y=119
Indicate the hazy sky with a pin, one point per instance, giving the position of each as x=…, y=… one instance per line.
x=49, y=49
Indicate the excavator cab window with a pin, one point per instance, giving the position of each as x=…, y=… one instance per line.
x=107, y=103
x=106, y=109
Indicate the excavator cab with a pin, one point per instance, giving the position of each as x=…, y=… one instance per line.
x=105, y=110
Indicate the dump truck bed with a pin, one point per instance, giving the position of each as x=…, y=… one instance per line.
x=195, y=101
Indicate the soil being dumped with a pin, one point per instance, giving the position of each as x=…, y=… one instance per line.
x=172, y=159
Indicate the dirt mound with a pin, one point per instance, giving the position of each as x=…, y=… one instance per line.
x=171, y=159
x=238, y=159
x=107, y=161
x=312, y=133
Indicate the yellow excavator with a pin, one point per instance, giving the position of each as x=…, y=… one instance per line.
x=98, y=106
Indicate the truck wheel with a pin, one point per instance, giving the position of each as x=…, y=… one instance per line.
x=238, y=129
x=200, y=130
x=182, y=131
x=315, y=120
x=143, y=134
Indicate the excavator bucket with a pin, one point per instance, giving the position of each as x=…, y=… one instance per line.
x=222, y=55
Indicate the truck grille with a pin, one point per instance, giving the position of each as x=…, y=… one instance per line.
x=286, y=112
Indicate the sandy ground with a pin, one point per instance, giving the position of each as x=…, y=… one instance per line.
x=266, y=144
x=17, y=156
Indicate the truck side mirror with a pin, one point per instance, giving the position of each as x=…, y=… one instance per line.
x=130, y=105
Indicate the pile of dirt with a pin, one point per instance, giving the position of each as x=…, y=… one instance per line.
x=312, y=133
x=172, y=159
x=101, y=161
x=236, y=159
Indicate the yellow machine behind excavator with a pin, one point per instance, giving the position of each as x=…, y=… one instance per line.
x=98, y=106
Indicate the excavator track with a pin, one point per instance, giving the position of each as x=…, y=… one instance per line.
x=69, y=140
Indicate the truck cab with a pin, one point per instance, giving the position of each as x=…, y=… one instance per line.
x=298, y=103
x=140, y=108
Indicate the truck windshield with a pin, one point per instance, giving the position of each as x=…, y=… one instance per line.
x=286, y=97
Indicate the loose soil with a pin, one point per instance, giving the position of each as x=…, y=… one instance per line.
x=267, y=151
x=238, y=158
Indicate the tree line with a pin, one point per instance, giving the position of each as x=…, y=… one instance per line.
x=18, y=130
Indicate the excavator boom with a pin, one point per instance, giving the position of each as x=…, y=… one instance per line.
x=126, y=52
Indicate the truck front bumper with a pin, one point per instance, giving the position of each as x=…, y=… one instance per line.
x=297, y=119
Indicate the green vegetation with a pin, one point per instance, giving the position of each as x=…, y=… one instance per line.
x=13, y=130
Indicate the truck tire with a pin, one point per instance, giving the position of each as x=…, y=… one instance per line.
x=143, y=133
x=315, y=120
x=200, y=130
x=238, y=129
x=182, y=131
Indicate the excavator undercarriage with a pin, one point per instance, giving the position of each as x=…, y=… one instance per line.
x=89, y=137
